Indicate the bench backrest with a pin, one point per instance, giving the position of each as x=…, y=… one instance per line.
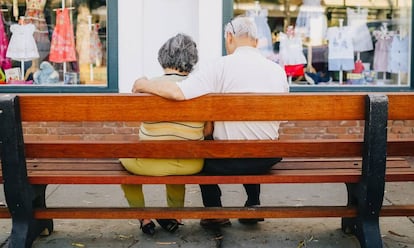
x=215, y=107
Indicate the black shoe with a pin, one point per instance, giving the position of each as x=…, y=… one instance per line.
x=251, y=221
x=170, y=225
x=215, y=222
x=148, y=228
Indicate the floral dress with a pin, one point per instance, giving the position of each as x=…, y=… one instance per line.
x=63, y=42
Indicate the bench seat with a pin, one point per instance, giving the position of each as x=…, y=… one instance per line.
x=110, y=171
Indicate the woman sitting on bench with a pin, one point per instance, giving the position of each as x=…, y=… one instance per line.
x=177, y=57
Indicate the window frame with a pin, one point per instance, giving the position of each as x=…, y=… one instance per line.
x=112, y=64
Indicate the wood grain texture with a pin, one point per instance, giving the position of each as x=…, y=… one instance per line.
x=214, y=107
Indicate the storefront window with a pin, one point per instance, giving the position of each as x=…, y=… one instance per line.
x=53, y=43
x=339, y=43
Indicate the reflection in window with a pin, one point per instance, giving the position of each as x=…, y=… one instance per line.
x=345, y=43
x=53, y=43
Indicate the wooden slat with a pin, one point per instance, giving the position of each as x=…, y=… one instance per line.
x=400, y=147
x=400, y=106
x=135, y=107
x=226, y=212
x=397, y=210
x=207, y=149
x=85, y=178
x=316, y=170
x=286, y=164
x=194, y=149
x=194, y=212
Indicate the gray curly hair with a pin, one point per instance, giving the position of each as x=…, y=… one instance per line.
x=179, y=52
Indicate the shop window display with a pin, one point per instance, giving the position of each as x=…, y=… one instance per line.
x=345, y=43
x=53, y=43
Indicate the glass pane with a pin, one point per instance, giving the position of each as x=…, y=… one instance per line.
x=339, y=42
x=53, y=43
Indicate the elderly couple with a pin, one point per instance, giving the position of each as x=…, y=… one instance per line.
x=243, y=70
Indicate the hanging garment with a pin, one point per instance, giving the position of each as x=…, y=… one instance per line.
x=291, y=50
x=83, y=35
x=398, y=55
x=382, y=47
x=22, y=44
x=341, y=49
x=5, y=63
x=35, y=15
x=357, y=21
x=311, y=21
x=95, y=50
x=63, y=42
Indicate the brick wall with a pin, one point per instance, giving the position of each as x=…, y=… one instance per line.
x=129, y=130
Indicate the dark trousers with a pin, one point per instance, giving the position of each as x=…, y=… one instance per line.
x=211, y=193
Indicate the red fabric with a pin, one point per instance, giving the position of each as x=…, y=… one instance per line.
x=294, y=70
x=63, y=42
x=359, y=67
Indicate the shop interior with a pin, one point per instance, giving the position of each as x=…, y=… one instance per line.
x=53, y=42
x=332, y=42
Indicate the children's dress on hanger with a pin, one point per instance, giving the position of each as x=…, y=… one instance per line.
x=63, y=42
x=357, y=21
x=291, y=54
x=382, y=48
x=22, y=44
x=95, y=50
x=398, y=55
x=83, y=35
x=35, y=14
x=340, y=49
x=311, y=21
x=5, y=63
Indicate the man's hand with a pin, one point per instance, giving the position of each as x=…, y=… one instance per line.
x=139, y=85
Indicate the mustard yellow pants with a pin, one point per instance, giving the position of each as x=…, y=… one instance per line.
x=175, y=193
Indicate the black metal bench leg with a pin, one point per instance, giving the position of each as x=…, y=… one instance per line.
x=365, y=226
x=349, y=224
x=21, y=197
x=368, y=194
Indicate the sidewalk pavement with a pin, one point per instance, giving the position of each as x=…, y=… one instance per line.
x=283, y=233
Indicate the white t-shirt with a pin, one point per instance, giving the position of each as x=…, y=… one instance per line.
x=244, y=71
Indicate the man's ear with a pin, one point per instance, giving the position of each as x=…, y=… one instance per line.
x=256, y=42
x=229, y=37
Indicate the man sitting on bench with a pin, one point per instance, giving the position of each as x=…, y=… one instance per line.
x=243, y=70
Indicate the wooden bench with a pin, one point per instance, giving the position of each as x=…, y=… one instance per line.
x=28, y=167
